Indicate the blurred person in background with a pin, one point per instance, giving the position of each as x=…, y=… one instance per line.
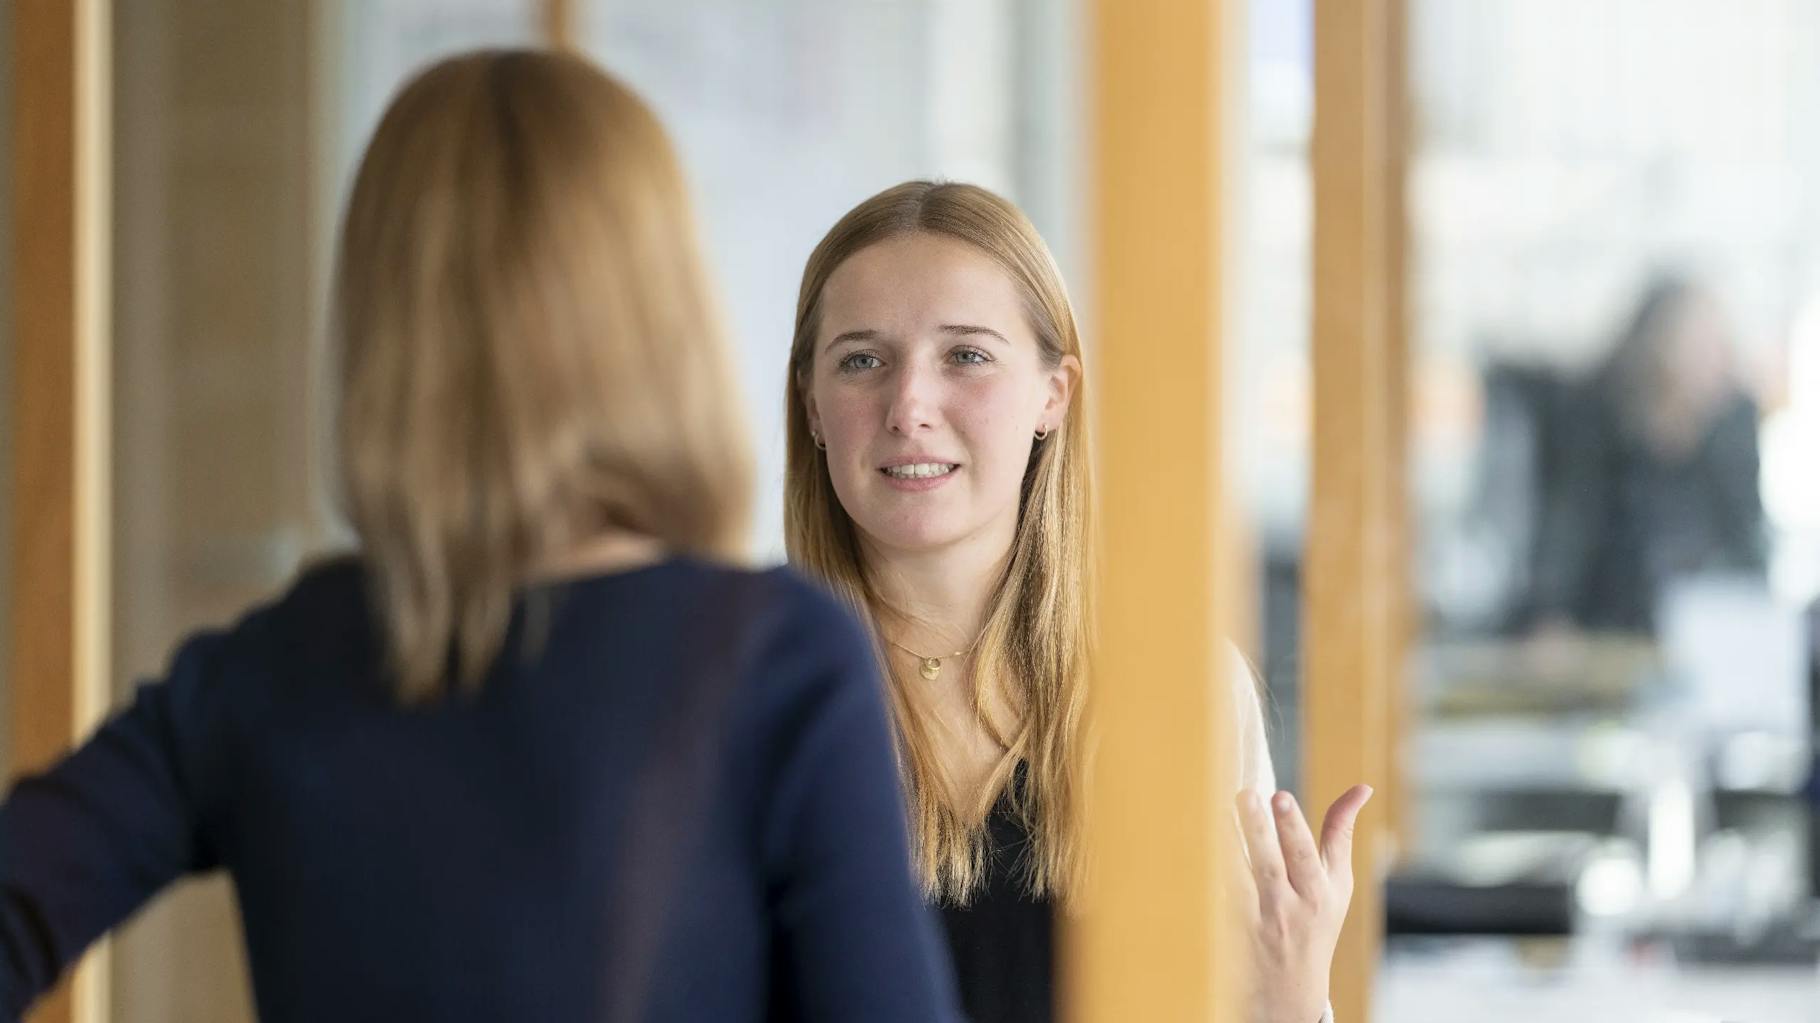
x=939, y=481
x=538, y=750
x=1654, y=475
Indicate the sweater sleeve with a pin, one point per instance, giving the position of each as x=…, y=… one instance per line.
x=86, y=842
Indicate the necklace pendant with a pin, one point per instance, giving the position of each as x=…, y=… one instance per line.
x=932, y=667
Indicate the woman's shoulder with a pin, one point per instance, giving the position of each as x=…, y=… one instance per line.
x=323, y=599
x=779, y=589
x=322, y=615
x=799, y=652
x=769, y=607
x=806, y=622
x=775, y=601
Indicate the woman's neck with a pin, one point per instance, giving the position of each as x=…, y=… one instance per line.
x=940, y=597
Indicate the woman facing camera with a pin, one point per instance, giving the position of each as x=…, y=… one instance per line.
x=939, y=481
x=538, y=750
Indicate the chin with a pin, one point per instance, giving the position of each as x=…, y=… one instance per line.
x=922, y=535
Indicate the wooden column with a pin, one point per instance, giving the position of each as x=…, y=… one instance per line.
x=558, y=17
x=1156, y=941
x=57, y=670
x=1355, y=573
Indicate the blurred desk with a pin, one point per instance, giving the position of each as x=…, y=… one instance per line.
x=1543, y=676
x=1498, y=753
x=1577, y=769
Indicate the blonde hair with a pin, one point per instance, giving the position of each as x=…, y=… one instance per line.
x=529, y=354
x=1035, y=642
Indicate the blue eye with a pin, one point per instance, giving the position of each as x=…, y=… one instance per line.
x=971, y=357
x=859, y=361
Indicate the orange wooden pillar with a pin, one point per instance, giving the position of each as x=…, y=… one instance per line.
x=1355, y=574
x=57, y=671
x=558, y=18
x=1156, y=941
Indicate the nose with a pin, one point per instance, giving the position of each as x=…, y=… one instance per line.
x=915, y=401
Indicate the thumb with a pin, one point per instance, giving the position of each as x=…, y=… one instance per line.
x=1336, y=829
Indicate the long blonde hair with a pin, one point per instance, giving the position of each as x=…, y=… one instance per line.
x=1035, y=641
x=529, y=353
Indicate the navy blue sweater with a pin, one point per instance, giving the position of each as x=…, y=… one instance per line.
x=481, y=858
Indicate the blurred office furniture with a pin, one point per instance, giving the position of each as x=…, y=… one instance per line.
x=1648, y=789
x=1643, y=782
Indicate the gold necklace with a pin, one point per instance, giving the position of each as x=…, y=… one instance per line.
x=931, y=667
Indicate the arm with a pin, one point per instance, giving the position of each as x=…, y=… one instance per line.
x=88, y=841
x=856, y=939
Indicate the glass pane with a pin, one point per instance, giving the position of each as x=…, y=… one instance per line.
x=1270, y=382
x=369, y=49
x=1614, y=221
x=236, y=129
x=213, y=237
x=789, y=113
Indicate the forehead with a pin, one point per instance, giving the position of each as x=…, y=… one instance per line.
x=918, y=282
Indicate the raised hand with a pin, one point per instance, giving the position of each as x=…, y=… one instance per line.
x=1301, y=895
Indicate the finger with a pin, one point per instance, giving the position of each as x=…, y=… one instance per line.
x=1261, y=844
x=1300, y=856
x=1336, y=830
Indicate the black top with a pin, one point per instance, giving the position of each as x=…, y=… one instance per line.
x=1003, y=940
x=474, y=860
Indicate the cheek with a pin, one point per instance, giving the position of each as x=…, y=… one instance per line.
x=997, y=421
x=844, y=413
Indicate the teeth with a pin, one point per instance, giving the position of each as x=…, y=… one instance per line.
x=921, y=470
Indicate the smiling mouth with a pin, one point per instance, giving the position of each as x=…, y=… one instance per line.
x=920, y=471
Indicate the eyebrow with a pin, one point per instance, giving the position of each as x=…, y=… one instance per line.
x=968, y=330
x=851, y=335
x=953, y=329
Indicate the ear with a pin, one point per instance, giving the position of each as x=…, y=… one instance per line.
x=807, y=392
x=1062, y=381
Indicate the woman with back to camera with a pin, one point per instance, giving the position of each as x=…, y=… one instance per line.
x=939, y=480
x=537, y=751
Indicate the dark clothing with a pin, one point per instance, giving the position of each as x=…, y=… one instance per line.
x=1003, y=940
x=472, y=860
